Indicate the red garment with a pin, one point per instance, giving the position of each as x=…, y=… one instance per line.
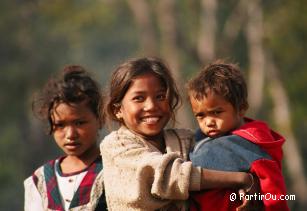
x=268, y=171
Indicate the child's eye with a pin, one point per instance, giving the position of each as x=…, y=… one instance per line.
x=199, y=116
x=161, y=97
x=58, y=125
x=79, y=123
x=216, y=113
x=138, y=98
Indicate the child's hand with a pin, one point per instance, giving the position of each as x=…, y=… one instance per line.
x=251, y=205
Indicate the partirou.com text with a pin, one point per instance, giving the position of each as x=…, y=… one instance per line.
x=259, y=196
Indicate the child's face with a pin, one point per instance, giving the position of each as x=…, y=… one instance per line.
x=215, y=115
x=75, y=129
x=145, y=108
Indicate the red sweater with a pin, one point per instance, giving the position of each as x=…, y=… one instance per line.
x=268, y=170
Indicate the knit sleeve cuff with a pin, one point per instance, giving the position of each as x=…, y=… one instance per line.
x=195, y=179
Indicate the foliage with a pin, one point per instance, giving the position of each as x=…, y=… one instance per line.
x=40, y=37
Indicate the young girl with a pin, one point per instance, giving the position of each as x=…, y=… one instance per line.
x=70, y=104
x=145, y=165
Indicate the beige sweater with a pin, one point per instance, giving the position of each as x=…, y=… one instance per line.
x=138, y=176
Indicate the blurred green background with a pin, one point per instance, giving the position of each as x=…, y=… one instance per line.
x=268, y=39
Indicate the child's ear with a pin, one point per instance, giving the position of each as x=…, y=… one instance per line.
x=242, y=110
x=117, y=111
x=119, y=114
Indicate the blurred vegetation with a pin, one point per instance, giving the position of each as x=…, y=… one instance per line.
x=39, y=37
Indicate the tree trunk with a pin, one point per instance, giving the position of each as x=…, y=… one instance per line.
x=207, y=32
x=282, y=117
x=254, y=34
x=281, y=109
x=166, y=15
x=141, y=12
x=167, y=22
x=235, y=21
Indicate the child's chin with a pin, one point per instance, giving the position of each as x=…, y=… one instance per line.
x=213, y=135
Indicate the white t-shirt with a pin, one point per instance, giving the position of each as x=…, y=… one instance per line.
x=68, y=184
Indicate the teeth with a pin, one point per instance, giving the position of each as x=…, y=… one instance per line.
x=151, y=120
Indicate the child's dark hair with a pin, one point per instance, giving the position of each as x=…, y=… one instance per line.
x=224, y=79
x=123, y=76
x=73, y=85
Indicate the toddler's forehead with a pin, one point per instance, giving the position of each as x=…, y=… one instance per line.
x=206, y=93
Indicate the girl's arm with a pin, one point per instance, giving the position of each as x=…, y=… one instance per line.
x=222, y=179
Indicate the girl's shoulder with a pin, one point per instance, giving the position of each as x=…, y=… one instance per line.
x=36, y=180
x=124, y=138
x=48, y=164
x=120, y=138
x=121, y=134
x=40, y=171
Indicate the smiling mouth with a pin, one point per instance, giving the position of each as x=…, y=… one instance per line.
x=150, y=120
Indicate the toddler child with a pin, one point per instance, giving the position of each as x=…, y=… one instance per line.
x=229, y=141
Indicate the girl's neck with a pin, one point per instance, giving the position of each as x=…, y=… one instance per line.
x=71, y=163
x=157, y=141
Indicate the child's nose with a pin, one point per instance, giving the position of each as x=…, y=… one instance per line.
x=149, y=104
x=210, y=122
x=71, y=132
